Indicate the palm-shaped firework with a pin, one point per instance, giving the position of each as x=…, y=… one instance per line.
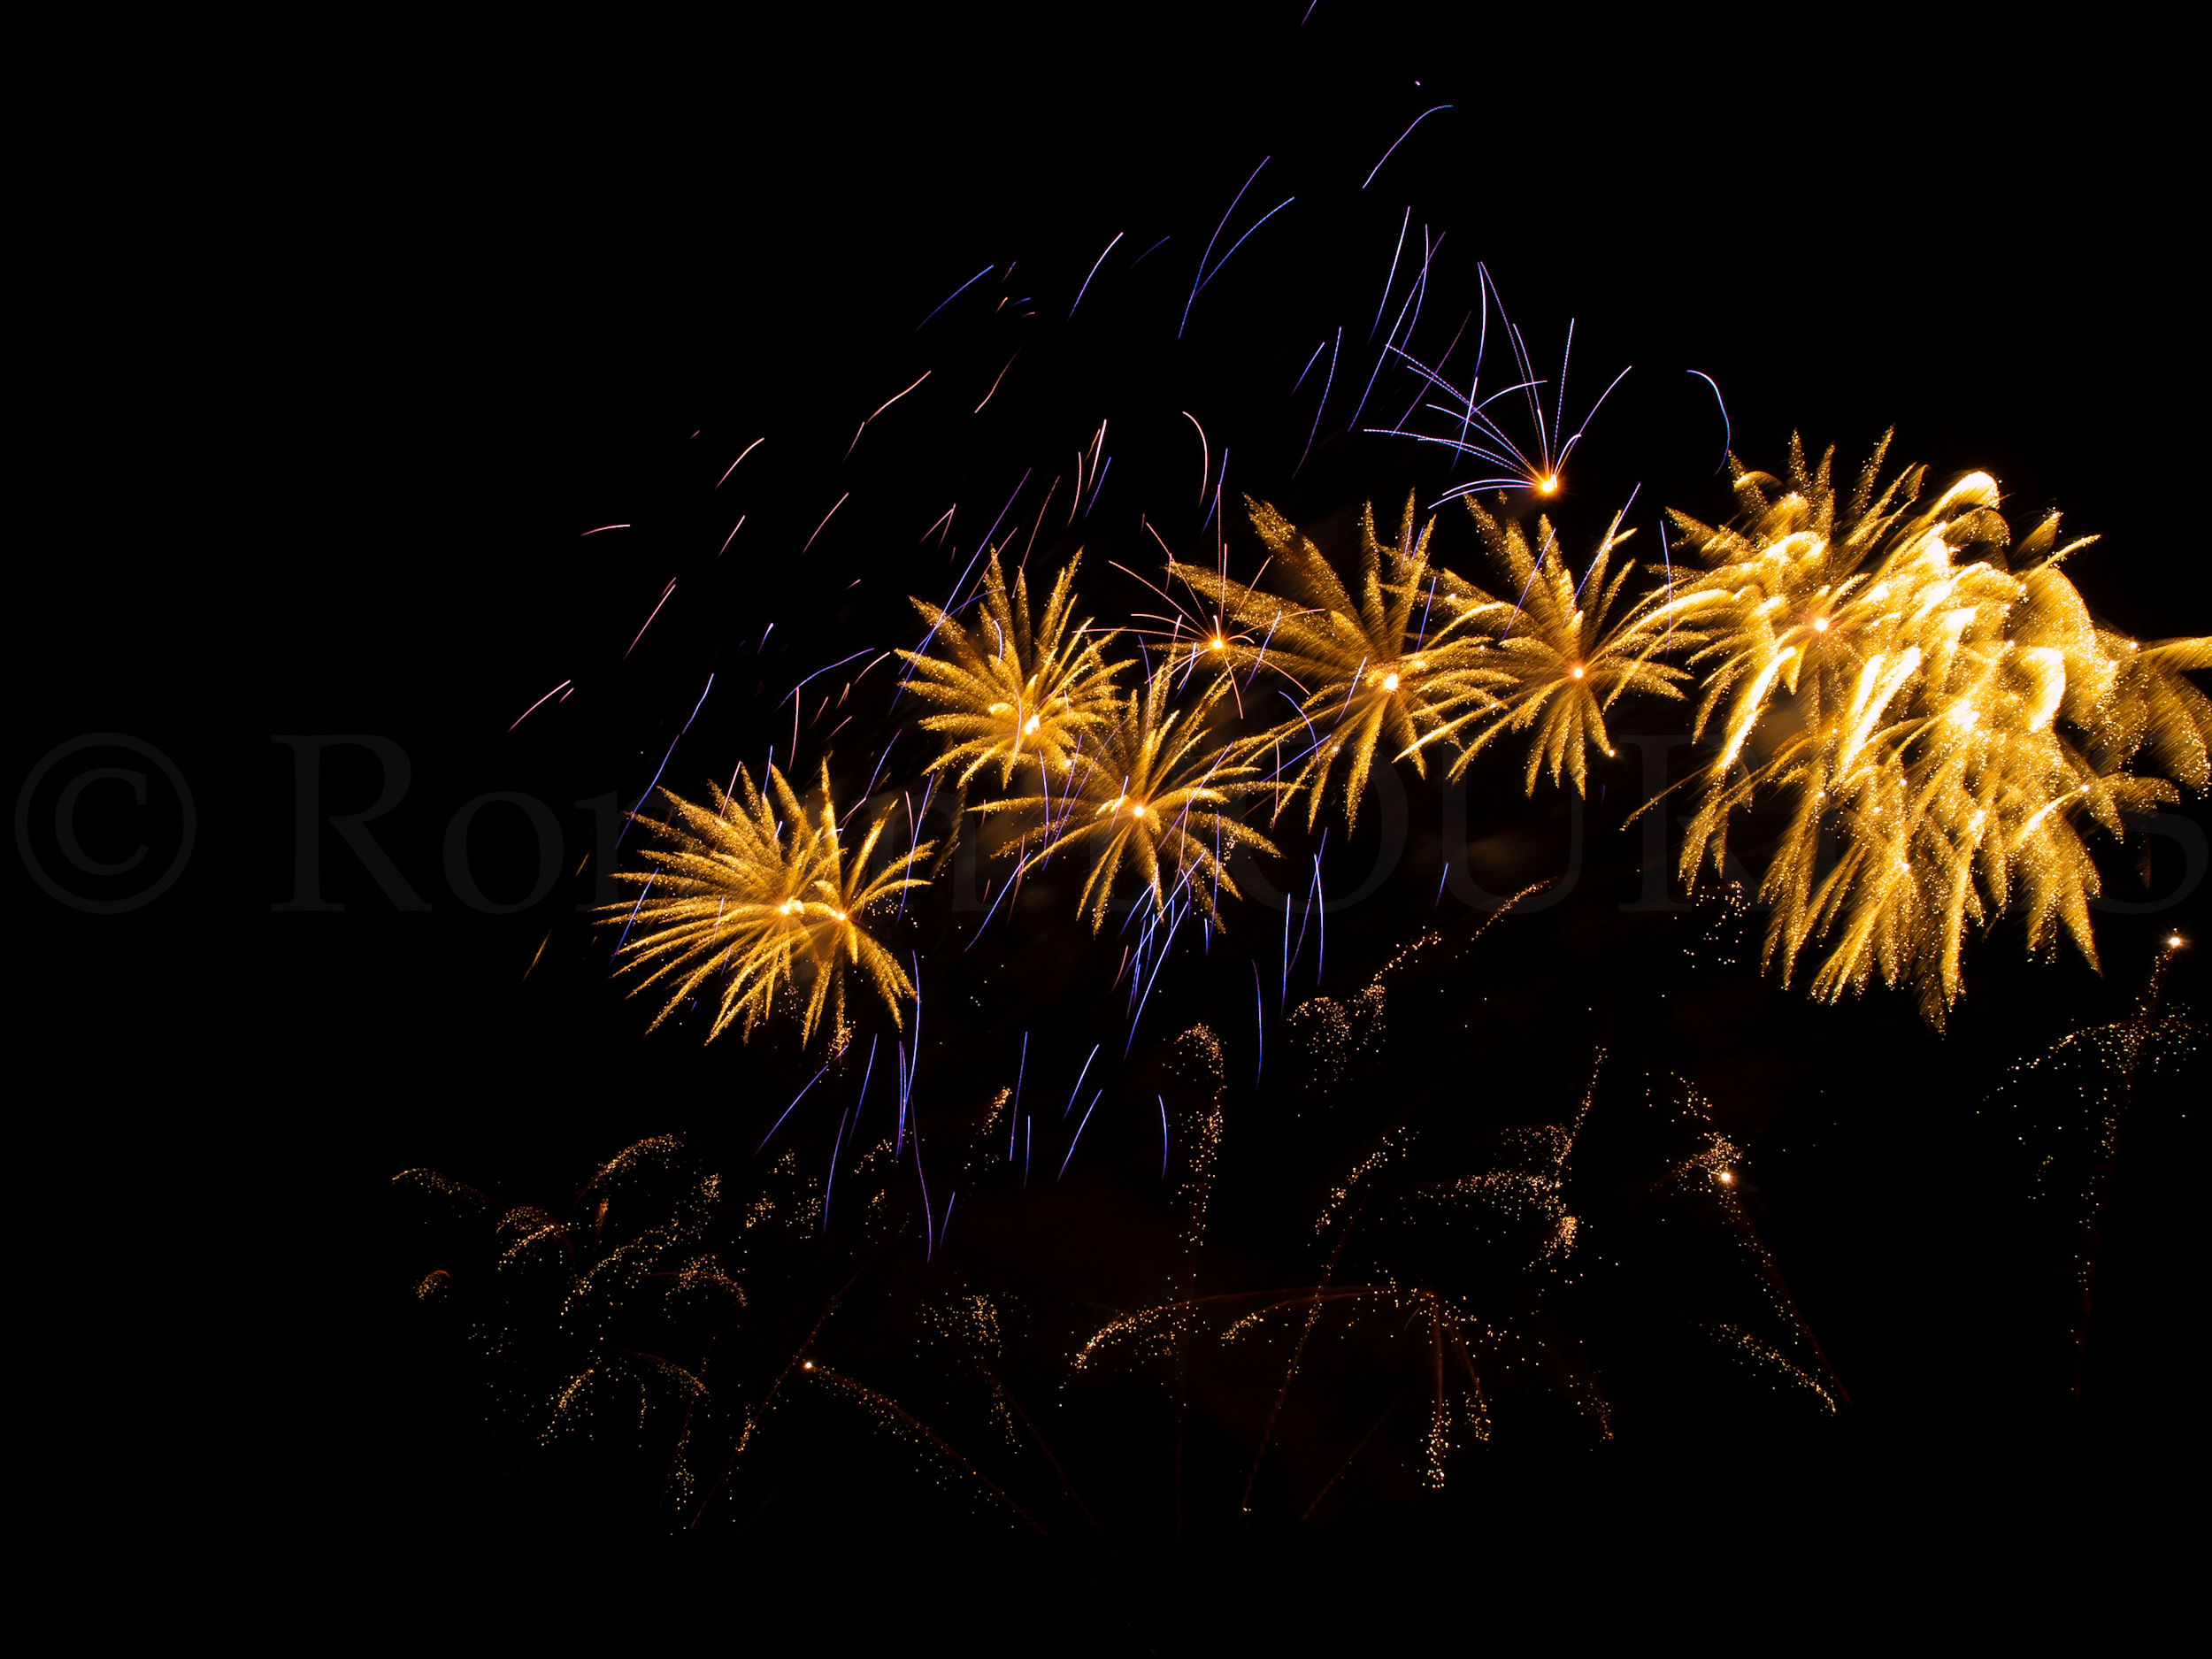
x=1559, y=667
x=1012, y=693
x=756, y=897
x=1370, y=668
x=1150, y=794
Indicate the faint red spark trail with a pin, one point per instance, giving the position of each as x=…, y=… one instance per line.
x=657, y=610
x=748, y=450
x=1205, y=452
x=606, y=527
x=895, y=397
x=532, y=708
x=1001, y=375
x=827, y=517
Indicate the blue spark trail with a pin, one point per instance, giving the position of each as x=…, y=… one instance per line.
x=649, y=787
x=1078, y=1089
x=1014, y=881
x=1323, y=403
x=788, y=1110
x=1085, y=288
x=1199, y=279
x=929, y=1250
x=1259, y=1015
x=1393, y=150
x=1727, y=433
x=1389, y=281
x=982, y=548
x=1321, y=913
x=1175, y=921
x=868, y=1072
x=878, y=773
x=1239, y=242
x=829, y=1188
x=643, y=891
x=956, y=293
x=905, y=1078
x=1101, y=480
x=1080, y=1128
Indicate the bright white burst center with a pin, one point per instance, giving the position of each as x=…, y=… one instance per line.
x=1390, y=682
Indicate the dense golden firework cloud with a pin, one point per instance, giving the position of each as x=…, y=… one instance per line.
x=1931, y=695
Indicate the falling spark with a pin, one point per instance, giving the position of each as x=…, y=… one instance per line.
x=827, y=517
x=1080, y=1128
x=1727, y=432
x=532, y=708
x=1393, y=150
x=957, y=292
x=648, y=621
x=1198, y=280
x=1101, y=260
x=733, y=466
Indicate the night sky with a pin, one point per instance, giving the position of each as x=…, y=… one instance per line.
x=339, y=483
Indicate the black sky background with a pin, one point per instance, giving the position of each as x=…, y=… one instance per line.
x=340, y=385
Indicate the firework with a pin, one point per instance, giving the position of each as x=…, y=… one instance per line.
x=1558, y=666
x=1013, y=694
x=1927, y=696
x=1151, y=794
x=1540, y=472
x=1931, y=667
x=1370, y=668
x=756, y=899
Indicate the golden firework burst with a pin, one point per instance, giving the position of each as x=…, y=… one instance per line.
x=1013, y=694
x=760, y=897
x=1930, y=665
x=1557, y=666
x=1151, y=794
x=1380, y=667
